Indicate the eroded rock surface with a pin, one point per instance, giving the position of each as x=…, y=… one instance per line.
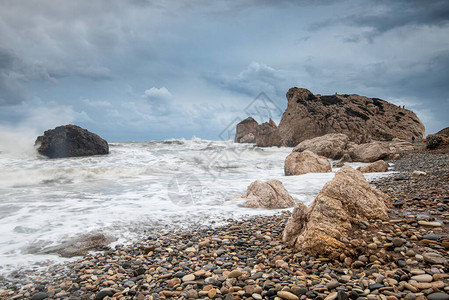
x=345, y=200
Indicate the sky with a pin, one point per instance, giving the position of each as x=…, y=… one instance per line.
x=142, y=70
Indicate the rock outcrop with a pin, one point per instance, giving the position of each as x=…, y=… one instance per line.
x=338, y=146
x=245, y=131
x=267, y=135
x=444, y=131
x=297, y=163
x=344, y=201
x=362, y=119
x=70, y=141
x=378, y=166
x=270, y=194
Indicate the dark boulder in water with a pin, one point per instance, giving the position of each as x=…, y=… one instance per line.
x=70, y=141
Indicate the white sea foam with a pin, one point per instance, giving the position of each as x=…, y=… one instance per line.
x=46, y=201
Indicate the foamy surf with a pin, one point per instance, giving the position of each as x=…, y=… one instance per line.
x=138, y=188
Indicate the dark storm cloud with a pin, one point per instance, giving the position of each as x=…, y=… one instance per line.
x=402, y=13
x=120, y=66
x=10, y=86
x=381, y=16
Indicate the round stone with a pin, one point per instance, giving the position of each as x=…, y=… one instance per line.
x=235, y=274
x=422, y=278
x=188, y=277
x=438, y=296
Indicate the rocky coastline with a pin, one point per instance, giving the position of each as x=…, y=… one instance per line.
x=402, y=257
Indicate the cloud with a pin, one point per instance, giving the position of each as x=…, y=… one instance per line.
x=256, y=78
x=99, y=103
x=160, y=100
x=155, y=93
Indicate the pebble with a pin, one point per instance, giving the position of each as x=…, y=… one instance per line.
x=422, y=278
x=188, y=277
x=428, y=223
x=235, y=274
x=438, y=296
x=287, y=295
x=40, y=296
x=434, y=258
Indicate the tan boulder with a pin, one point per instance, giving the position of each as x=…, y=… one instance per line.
x=345, y=200
x=370, y=152
x=332, y=145
x=243, y=129
x=377, y=150
x=297, y=163
x=378, y=166
x=269, y=194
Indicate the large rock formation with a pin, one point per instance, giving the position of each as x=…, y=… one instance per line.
x=378, y=166
x=270, y=194
x=346, y=200
x=338, y=146
x=245, y=131
x=362, y=119
x=70, y=140
x=297, y=163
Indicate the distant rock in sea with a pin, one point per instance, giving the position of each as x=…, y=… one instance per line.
x=308, y=116
x=70, y=141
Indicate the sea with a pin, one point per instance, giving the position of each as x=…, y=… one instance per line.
x=140, y=188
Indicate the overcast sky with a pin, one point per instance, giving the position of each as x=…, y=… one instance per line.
x=155, y=70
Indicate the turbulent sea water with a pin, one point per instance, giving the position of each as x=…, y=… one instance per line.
x=137, y=189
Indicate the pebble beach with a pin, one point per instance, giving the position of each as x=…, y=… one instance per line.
x=405, y=257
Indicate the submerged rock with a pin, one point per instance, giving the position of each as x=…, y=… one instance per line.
x=70, y=141
x=270, y=194
x=297, y=163
x=345, y=200
x=80, y=246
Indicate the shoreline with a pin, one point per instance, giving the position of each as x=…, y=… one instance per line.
x=246, y=258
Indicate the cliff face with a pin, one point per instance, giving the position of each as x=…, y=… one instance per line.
x=362, y=119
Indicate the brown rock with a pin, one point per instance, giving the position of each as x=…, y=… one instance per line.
x=332, y=145
x=297, y=163
x=269, y=194
x=287, y=295
x=267, y=135
x=244, y=130
x=378, y=166
x=362, y=119
x=344, y=201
